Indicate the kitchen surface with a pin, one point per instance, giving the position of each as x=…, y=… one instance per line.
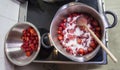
x=7, y=20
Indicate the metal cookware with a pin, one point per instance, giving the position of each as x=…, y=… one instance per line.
x=71, y=8
x=13, y=44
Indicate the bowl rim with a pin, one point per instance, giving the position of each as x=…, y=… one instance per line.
x=36, y=53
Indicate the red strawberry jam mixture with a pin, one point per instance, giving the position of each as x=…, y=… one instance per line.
x=30, y=41
x=77, y=40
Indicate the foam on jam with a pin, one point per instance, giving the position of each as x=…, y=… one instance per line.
x=75, y=40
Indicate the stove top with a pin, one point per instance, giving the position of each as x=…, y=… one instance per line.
x=41, y=14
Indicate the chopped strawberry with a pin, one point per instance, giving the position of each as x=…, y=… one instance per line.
x=65, y=20
x=67, y=40
x=71, y=36
x=60, y=37
x=62, y=24
x=64, y=27
x=89, y=49
x=94, y=23
x=71, y=30
x=79, y=41
x=92, y=44
x=81, y=51
x=59, y=32
x=28, y=54
x=98, y=34
x=97, y=28
x=60, y=28
x=32, y=46
x=68, y=49
x=74, y=14
x=85, y=52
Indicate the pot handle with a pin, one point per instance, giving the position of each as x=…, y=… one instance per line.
x=46, y=41
x=115, y=19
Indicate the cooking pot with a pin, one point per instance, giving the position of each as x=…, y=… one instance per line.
x=82, y=8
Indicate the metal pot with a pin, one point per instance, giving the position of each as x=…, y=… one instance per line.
x=71, y=8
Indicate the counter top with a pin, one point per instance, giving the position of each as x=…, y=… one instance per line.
x=9, y=11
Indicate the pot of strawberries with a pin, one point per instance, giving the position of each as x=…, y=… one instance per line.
x=75, y=42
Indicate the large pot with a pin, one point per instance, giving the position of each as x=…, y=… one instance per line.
x=71, y=8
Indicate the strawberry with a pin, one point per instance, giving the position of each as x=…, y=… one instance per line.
x=80, y=51
x=92, y=44
x=68, y=49
x=71, y=36
x=28, y=53
x=85, y=52
x=60, y=37
x=67, y=40
x=65, y=20
x=74, y=14
x=62, y=24
x=60, y=28
x=98, y=34
x=89, y=49
x=94, y=23
x=98, y=28
x=59, y=32
x=79, y=41
x=71, y=30
x=32, y=46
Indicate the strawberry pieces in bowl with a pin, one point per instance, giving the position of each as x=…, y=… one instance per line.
x=77, y=40
x=30, y=41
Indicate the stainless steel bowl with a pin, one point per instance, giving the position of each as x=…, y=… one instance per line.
x=13, y=44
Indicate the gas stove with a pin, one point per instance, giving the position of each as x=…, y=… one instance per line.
x=41, y=13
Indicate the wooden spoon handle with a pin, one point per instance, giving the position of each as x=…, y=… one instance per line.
x=102, y=45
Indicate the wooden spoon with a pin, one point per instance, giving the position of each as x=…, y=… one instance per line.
x=81, y=21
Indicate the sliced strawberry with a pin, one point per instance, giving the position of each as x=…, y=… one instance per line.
x=62, y=24
x=28, y=53
x=98, y=28
x=85, y=52
x=81, y=51
x=71, y=36
x=94, y=23
x=32, y=46
x=92, y=44
x=71, y=31
x=79, y=41
x=65, y=20
x=89, y=49
x=59, y=32
x=67, y=40
x=60, y=37
x=60, y=28
x=68, y=49
x=64, y=27
x=74, y=14
x=98, y=34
